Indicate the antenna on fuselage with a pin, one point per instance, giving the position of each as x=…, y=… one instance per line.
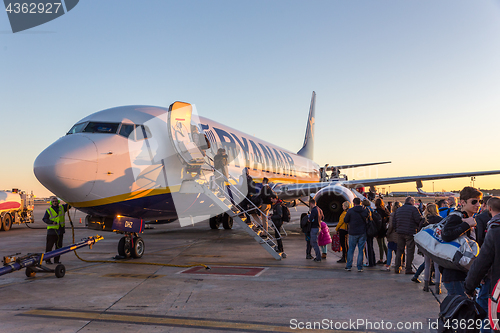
x=307, y=149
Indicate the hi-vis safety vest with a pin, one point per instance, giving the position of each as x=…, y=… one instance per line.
x=56, y=218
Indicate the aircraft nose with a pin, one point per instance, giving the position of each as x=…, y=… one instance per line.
x=68, y=167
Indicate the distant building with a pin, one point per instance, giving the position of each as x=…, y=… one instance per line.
x=405, y=194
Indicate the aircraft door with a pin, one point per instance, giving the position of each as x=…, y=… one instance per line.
x=184, y=134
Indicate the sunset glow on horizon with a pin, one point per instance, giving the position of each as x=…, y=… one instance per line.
x=415, y=82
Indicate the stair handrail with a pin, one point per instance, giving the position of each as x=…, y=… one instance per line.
x=241, y=195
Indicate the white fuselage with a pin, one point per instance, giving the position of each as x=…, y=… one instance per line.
x=122, y=161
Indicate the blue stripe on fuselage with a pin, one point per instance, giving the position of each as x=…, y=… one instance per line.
x=155, y=207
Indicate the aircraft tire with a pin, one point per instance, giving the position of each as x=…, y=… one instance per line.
x=30, y=272
x=6, y=222
x=215, y=222
x=139, y=247
x=302, y=216
x=60, y=271
x=124, y=247
x=227, y=221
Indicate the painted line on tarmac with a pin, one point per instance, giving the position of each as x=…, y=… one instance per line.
x=117, y=317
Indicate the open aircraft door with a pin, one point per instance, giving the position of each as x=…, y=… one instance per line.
x=185, y=134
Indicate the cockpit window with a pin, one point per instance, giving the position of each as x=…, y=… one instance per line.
x=142, y=132
x=126, y=129
x=135, y=132
x=95, y=127
x=130, y=131
x=76, y=128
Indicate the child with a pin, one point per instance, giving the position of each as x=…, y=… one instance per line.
x=324, y=239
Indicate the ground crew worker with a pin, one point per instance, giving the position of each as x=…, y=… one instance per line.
x=54, y=218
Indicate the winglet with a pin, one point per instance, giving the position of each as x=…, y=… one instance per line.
x=307, y=149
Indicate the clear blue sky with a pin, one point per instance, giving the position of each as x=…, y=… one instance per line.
x=414, y=82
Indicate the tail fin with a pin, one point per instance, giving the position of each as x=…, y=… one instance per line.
x=307, y=149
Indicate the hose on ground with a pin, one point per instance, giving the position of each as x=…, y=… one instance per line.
x=126, y=262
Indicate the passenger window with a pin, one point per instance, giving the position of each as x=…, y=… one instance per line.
x=94, y=127
x=76, y=128
x=126, y=131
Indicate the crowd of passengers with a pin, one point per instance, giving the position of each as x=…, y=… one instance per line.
x=472, y=215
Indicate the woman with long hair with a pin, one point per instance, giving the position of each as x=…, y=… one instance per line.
x=392, y=237
x=384, y=214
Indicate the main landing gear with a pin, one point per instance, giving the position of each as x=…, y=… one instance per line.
x=224, y=219
x=130, y=245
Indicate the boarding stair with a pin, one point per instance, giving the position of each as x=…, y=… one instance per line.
x=232, y=201
x=190, y=142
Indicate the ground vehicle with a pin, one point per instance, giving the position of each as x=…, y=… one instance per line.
x=16, y=207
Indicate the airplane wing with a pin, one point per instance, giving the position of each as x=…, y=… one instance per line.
x=397, y=180
x=289, y=191
x=347, y=166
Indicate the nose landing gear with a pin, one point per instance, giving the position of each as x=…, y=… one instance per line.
x=130, y=245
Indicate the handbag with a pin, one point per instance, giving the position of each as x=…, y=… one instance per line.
x=458, y=254
x=335, y=243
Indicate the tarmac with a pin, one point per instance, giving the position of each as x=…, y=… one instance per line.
x=245, y=290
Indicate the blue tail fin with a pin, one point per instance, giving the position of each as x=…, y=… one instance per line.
x=307, y=149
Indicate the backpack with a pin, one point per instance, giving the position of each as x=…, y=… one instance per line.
x=459, y=309
x=286, y=213
x=256, y=200
x=382, y=224
x=373, y=223
x=377, y=218
x=304, y=224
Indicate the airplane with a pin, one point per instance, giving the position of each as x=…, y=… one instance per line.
x=133, y=162
x=438, y=194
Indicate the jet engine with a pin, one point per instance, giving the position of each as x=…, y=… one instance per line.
x=330, y=200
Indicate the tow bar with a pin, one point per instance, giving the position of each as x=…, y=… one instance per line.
x=33, y=261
